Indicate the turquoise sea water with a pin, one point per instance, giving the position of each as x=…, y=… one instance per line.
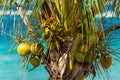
x=10, y=66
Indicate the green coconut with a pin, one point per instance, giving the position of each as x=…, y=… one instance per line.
x=35, y=61
x=36, y=48
x=89, y=58
x=93, y=39
x=80, y=57
x=83, y=48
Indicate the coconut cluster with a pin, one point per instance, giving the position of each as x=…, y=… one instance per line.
x=35, y=49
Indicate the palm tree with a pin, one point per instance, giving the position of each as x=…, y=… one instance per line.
x=77, y=46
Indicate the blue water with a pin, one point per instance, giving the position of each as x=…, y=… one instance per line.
x=10, y=65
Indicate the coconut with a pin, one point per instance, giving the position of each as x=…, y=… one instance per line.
x=106, y=61
x=23, y=49
x=93, y=39
x=36, y=48
x=77, y=42
x=89, y=58
x=35, y=61
x=79, y=57
x=83, y=48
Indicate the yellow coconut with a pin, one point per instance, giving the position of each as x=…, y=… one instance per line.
x=106, y=61
x=36, y=48
x=23, y=49
x=35, y=61
x=80, y=57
